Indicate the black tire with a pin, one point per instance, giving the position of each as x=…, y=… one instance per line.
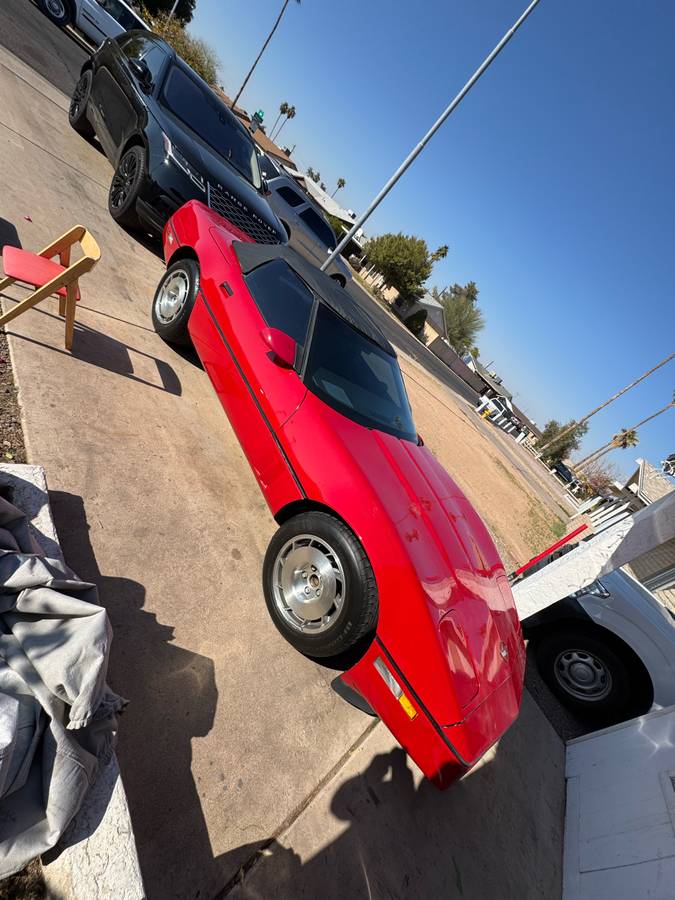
x=174, y=330
x=77, y=111
x=356, y=615
x=125, y=187
x=59, y=11
x=625, y=692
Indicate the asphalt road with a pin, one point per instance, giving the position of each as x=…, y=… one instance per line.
x=58, y=57
x=31, y=36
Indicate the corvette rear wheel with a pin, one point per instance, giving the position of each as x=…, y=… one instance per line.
x=319, y=585
x=174, y=298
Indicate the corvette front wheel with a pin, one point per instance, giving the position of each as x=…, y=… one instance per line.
x=319, y=585
x=174, y=298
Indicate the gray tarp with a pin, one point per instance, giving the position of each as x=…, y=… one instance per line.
x=57, y=715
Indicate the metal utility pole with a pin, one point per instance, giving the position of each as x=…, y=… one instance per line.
x=427, y=137
x=173, y=11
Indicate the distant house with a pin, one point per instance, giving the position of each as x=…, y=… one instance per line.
x=655, y=569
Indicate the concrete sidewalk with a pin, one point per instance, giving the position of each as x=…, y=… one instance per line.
x=229, y=733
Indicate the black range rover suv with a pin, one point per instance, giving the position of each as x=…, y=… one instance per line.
x=170, y=138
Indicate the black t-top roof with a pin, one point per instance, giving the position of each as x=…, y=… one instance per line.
x=327, y=290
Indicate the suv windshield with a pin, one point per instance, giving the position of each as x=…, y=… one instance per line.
x=201, y=110
x=357, y=378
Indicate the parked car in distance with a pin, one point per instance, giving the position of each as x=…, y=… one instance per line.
x=96, y=19
x=308, y=230
x=378, y=553
x=608, y=651
x=169, y=137
x=563, y=472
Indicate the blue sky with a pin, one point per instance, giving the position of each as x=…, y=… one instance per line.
x=553, y=183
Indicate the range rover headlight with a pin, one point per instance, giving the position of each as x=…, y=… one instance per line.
x=177, y=158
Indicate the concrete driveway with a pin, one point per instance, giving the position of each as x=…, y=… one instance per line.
x=232, y=741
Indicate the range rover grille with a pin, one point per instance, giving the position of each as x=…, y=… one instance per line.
x=227, y=205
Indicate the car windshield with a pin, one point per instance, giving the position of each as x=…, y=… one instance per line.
x=358, y=379
x=201, y=110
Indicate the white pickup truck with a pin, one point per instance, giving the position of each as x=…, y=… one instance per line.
x=601, y=640
x=96, y=19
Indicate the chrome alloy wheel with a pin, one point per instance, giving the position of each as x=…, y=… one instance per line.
x=582, y=675
x=172, y=295
x=56, y=8
x=308, y=583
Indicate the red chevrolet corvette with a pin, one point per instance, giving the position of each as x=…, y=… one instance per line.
x=378, y=552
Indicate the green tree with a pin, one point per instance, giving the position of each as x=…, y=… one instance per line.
x=315, y=176
x=196, y=53
x=340, y=184
x=463, y=318
x=561, y=440
x=184, y=10
x=404, y=261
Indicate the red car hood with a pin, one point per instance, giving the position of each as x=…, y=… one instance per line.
x=462, y=580
x=462, y=576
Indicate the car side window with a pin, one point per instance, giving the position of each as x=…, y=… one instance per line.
x=317, y=225
x=290, y=196
x=136, y=46
x=282, y=297
x=142, y=49
x=119, y=13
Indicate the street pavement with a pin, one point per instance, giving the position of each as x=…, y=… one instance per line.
x=58, y=57
x=230, y=738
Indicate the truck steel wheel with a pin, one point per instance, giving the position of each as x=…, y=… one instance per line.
x=319, y=586
x=588, y=675
x=77, y=112
x=174, y=298
x=125, y=185
x=59, y=11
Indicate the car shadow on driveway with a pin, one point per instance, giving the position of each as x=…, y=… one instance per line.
x=384, y=833
x=9, y=236
x=100, y=349
x=172, y=699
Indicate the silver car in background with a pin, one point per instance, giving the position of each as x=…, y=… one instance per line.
x=308, y=230
x=607, y=651
x=96, y=19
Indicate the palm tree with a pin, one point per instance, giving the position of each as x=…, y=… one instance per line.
x=340, y=184
x=264, y=47
x=597, y=409
x=289, y=115
x=283, y=109
x=625, y=438
x=441, y=253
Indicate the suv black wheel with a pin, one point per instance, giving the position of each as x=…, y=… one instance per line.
x=77, y=111
x=319, y=585
x=59, y=11
x=592, y=676
x=125, y=186
x=174, y=298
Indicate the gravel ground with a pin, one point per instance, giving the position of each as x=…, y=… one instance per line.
x=12, y=448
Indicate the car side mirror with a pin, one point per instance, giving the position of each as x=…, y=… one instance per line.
x=141, y=72
x=265, y=187
x=282, y=346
